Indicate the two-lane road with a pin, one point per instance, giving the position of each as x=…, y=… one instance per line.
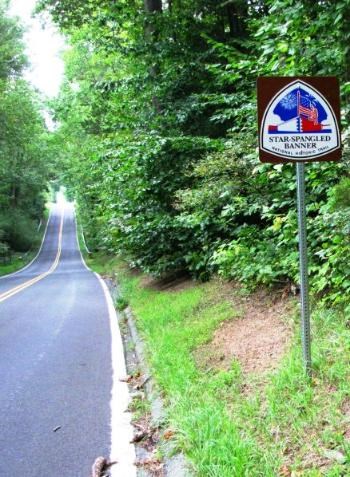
x=61, y=401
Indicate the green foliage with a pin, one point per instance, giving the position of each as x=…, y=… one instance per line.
x=341, y=194
x=24, y=151
x=121, y=303
x=4, y=248
x=12, y=58
x=158, y=135
x=19, y=230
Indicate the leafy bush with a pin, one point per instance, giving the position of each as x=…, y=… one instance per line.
x=19, y=231
x=158, y=128
x=4, y=248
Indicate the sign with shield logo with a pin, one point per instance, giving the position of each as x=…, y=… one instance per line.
x=299, y=119
x=299, y=122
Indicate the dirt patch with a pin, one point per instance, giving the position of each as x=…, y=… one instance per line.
x=173, y=283
x=345, y=408
x=257, y=338
x=309, y=461
x=133, y=271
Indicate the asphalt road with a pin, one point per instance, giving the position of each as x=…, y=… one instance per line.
x=56, y=371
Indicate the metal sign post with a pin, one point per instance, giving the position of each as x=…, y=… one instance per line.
x=299, y=120
x=304, y=279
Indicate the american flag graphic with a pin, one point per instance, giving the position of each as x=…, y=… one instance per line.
x=306, y=108
x=300, y=112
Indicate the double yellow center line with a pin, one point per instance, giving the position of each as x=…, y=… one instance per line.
x=8, y=294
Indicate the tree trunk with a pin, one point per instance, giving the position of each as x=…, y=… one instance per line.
x=153, y=6
x=235, y=23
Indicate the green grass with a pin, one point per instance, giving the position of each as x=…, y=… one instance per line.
x=20, y=260
x=284, y=419
x=121, y=303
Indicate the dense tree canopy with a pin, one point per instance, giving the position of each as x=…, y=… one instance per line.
x=158, y=125
x=24, y=151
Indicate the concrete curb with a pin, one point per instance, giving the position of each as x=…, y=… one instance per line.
x=175, y=466
x=157, y=409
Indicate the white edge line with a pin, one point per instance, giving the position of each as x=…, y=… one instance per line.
x=121, y=429
x=36, y=256
x=83, y=236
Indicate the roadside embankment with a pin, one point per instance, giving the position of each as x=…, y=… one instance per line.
x=227, y=366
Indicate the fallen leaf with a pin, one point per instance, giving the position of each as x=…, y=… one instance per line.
x=151, y=463
x=142, y=382
x=284, y=471
x=100, y=465
x=127, y=379
x=168, y=434
x=138, y=437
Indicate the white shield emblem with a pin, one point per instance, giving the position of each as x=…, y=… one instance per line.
x=299, y=123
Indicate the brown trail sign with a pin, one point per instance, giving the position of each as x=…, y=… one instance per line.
x=299, y=121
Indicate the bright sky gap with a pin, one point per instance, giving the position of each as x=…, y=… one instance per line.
x=44, y=46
